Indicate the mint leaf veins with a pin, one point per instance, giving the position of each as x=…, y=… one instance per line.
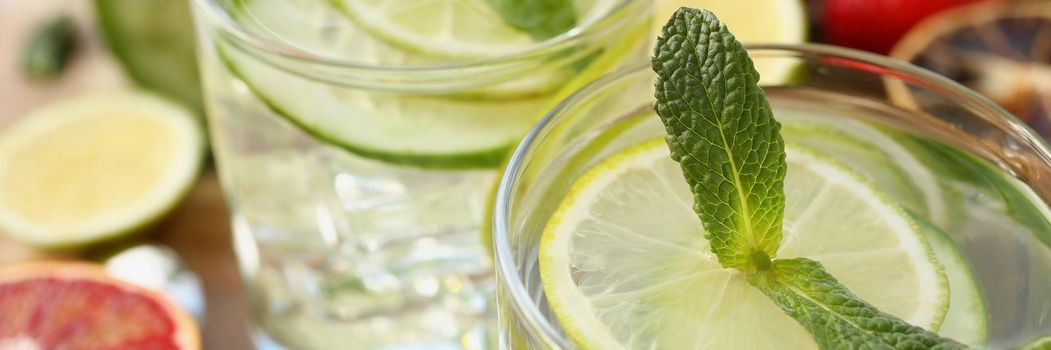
x=722, y=132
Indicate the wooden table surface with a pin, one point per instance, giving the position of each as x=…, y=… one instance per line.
x=198, y=229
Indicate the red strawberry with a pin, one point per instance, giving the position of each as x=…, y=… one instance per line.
x=875, y=25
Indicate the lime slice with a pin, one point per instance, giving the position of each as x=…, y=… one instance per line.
x=310, y=26
x=760, y=22
x=624, y=261
x=95, y=167
x=967, y=320
x=451, y=28
x=1042, y=343
x=891, y=165
x=154, y=42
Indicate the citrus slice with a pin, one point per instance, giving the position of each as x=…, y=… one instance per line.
x=95, y=167
x=77, y=306
x=452, y=28
x=878, y=156
x=309, y=26
x=153, y=40
x=760, y=22
x=1042, y=343
x=997, y=48
x=967, y=319
x=624, y=262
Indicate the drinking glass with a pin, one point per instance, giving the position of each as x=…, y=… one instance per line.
x=356, y=169
x=970, y=169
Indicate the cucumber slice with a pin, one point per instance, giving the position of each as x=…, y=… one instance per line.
x=154, y=42
x=421, y=131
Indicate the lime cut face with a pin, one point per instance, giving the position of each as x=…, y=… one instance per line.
x=624, y=262
x=96, y=167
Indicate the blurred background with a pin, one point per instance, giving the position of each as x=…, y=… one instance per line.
x=52, y=50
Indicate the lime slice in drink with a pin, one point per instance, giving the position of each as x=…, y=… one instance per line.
x=451, y=28
x=1042, y=343
x=891, y=165
x=153, y=40
x=967, y=320
x=758, y=22
x=95, y=167
x=624, y=261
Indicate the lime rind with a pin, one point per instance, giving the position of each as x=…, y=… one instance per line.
x=967, y=319
x=564, y=289
x=1041, y=343
x=174, y=185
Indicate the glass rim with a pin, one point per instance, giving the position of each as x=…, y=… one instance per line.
x=505, y=266
x=220, y=17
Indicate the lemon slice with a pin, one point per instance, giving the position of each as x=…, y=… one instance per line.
x=95, y=167
x=624, y=262
x=760, y=22
x=451, y=28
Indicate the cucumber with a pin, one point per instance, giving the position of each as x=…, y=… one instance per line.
x=420, y=131
x=154, y=42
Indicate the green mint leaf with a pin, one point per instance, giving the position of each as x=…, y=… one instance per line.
x=724, y=136
x=837, y=318
x=49, y=49
x=541, y=19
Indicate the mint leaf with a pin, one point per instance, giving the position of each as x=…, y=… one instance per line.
x=724, y=136
x=837, y=318
x=541, y=19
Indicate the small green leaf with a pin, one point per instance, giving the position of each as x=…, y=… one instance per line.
x=837, y=318
x=724, y=136
x=541, y=19
x=49, y=49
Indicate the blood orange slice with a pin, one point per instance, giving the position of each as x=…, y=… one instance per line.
x=77, y=306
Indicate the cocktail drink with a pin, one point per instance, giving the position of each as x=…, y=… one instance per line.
x=356, y=141
x=914, y=211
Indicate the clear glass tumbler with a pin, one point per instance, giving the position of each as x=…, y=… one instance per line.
x=356, y=168
x=948, y=156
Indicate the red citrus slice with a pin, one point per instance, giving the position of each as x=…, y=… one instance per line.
x=77, y=306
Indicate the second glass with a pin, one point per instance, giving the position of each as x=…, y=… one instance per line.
x=356, y=145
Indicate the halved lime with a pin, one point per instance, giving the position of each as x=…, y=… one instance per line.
x=95, y=167
x=624, y=261
x=758, y=22
x=452, y=28
x=153, y=40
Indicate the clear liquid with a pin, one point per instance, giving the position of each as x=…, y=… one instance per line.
x=337, y=249
x=1002, y=229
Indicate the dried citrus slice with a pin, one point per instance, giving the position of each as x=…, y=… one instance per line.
x=998, y=48
x=78, y=306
